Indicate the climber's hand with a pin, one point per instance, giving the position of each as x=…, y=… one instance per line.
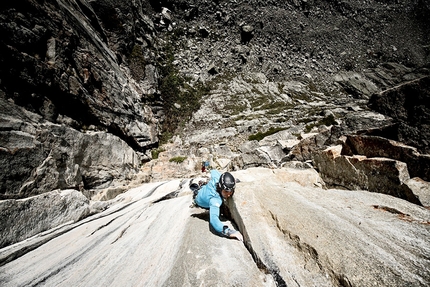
x=237, y=235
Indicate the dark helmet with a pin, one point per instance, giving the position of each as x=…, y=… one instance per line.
x=227, y=182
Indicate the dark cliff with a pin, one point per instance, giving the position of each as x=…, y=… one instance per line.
x=71, y=71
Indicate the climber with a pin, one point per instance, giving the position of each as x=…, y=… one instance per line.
x=211, y=196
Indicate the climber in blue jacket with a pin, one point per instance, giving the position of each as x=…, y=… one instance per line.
x=211, y=195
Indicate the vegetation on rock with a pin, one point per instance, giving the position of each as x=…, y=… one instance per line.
x=181, y=98
x=155, y=152
x=261, y=135
x=178, y=159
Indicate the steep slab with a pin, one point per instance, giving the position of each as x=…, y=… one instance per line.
x=314, y=237
x=205, y=259
x=136, y=242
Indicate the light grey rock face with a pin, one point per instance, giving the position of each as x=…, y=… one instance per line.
x=295, y=234
x=210, y=260
x=309, y=236
x=24, y=218
x=136, y=242
x=421, y=189
x=253, y=159
x=39, y=156
x=250, y=103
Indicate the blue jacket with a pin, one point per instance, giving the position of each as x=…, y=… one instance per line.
x=208, y=197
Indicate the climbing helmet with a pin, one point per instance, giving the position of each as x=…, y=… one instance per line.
x=227, y=182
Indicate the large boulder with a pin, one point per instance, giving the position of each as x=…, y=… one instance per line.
x=253, y=158
x=376, y=164
x=373, y=146
x=39, y=156
x=24, y=218
x=377, y=174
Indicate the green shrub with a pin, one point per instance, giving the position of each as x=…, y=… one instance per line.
x=327, y=121
x=156, y=152
x=259, y=136
x=178, y=159
x=297, y=135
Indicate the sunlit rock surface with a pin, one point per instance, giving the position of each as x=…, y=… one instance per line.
x=133, y=243
x=295, y=235
x=315, y=237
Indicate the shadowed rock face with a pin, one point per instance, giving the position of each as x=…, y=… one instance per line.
x=294, y=234
x=80, y=108
x=38, y=156
x=409, y=105
x=72, y=114
x=57, y=61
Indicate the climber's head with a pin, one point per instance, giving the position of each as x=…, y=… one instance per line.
x=226, y=185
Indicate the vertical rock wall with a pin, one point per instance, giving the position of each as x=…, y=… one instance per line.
x=73, y=112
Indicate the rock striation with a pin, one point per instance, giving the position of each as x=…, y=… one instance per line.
x=73, y=96
x=33, y=215
x=39, y=156
x=295, y=97
x=295, y=234
x=285, y=223
x=99, y=67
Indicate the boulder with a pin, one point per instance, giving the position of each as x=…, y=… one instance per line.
x=310, y=144
x=249, y=146
x=247, y=33
x=285, y=138
x=40, y=156
x=275, y=152
x=358, y=122
x=373, y=146
x=24, y=218
x=356, y=84
x=253, y=158
x=376, y=174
